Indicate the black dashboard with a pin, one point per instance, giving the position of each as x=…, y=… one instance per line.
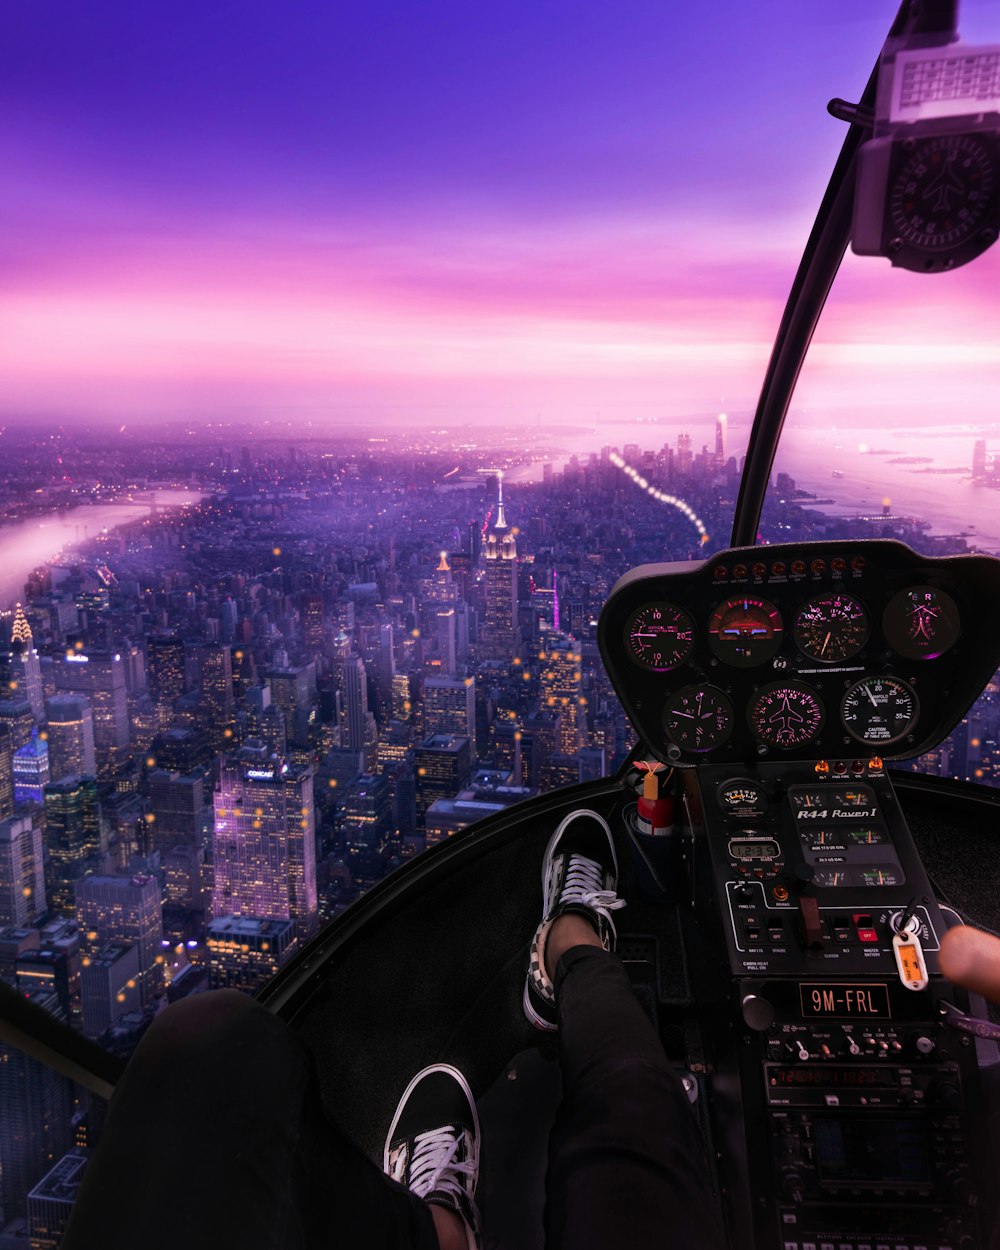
x=802, y=650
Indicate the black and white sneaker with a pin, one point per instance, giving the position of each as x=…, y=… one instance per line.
x=432, y=1147
x=579, y=874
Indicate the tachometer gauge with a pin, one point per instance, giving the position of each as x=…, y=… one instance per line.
x=698, y=718
x=786, y=714
x=831, y=628
x=745, y=632
x=659, y=636
x=921, y=623
x=879, y=710
x=742, y=799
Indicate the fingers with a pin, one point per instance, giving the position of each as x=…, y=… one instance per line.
x=971, y=958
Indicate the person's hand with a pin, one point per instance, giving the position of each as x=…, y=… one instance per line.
x=971, y=958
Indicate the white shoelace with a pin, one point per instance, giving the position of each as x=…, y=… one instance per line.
x=583, y=884
x=433, y=1166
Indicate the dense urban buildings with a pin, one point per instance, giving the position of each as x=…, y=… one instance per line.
x=224, y=721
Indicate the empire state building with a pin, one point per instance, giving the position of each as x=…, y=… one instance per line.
x=499, y=625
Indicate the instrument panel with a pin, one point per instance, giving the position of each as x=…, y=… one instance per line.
x=800, y=650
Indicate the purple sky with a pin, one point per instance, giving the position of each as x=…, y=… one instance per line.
x=472, y=210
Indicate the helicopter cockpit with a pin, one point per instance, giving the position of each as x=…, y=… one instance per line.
x=788, y=883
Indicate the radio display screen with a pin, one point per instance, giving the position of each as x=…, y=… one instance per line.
x=869, y=1153
x=835, y=1078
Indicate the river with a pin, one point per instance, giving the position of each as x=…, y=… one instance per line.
x=24, y=545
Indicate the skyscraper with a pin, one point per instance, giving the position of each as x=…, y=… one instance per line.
x=109, y=985
x=72, y=837
x=101, y=677
x=35, y=1113
x=51, y=1200
x=721, y=427
x=265, y=840
x=498, y=632
x=6, y=773
x=22, y=877
x=126, y=910
x=31, y=770
x=450, y=707
x=70, y=726
x=560, y=680
x=355, y=702
x=25, y=666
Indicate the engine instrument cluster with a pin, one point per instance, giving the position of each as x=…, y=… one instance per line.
x=801, y=650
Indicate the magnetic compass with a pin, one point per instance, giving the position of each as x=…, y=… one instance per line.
x=942, y=190
x=659, y=636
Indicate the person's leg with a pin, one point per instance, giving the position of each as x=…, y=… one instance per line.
x=216, y=1136
x=627, y=1168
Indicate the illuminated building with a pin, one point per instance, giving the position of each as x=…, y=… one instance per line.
x=100, y=676
x=293, y=690
x=177, y=804
x=109, y=986
x=181, y=750
x=264, y=844
x=498, y=629
x=215, y=680
x=35, y=1107
x=244, y=952
x=22, y=879
x=30, y=766
x=264, y=721
x=560, y=681
x=442, y=763
x=54, y=967
x=25, y=667
x=51, y=1200
x=445, y=817
x=165, y=655
x=367, y=812
x=311, y=606
x=402, y=697
x=184, y=869
x=6, y=773
x=17, y=716
x=72, y=838
x=355, y=689
x=128, y=910
x=449, y=707
x=721, y=426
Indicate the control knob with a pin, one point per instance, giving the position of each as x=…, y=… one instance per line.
x=757, y=1012
x=793, y=1187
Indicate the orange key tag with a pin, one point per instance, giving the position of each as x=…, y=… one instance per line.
x=910, y=957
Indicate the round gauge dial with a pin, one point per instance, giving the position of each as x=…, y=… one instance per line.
x=659, y=636
x=879, y=710
x=786, y=714
x=698, y=718
x=942, y=192
x=744, y=632
x=831, y=628
x=921, y=623
x=742, y=799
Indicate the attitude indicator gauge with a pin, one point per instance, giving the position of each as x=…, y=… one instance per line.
x=786, y=714
x=879, y=710
x=745, y=632
x=831, y=628
x=698, y=718
x=659, y=636
x=921, y=623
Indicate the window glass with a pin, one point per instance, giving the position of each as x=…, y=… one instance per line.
x=893, y=432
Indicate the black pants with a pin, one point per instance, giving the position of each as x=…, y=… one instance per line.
x=216, y=1137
